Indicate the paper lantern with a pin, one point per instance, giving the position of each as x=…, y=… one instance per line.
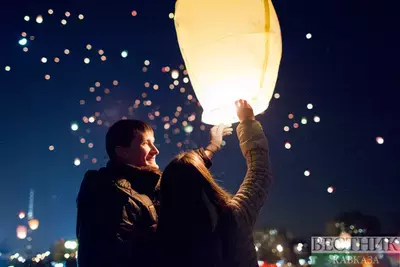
x=33, y=224
x=22, y=232
x=232, y=50
x=21, y=215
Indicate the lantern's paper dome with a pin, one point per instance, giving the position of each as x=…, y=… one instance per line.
x=232, y=50
x=22, y=232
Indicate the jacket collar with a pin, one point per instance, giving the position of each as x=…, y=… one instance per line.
x=143, y=180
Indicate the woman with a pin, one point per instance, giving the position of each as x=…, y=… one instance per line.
x=200, y=224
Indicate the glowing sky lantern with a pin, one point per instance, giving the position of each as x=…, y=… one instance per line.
x=232, y=50
x=21, y=215
x=33, y=224
x=22, y=232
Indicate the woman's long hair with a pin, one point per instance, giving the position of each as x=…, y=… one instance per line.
x=192, y=206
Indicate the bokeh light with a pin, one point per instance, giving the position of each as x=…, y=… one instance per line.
x=21, y=215
x=50, y=11
x=288, y=145
x=317, y=119
x=74, y=127
x=124, y=54
x=27, y=18
x=23, y=41
x=77, y=162
x=44, y=60
x=51, y=148
x=308, y=35
x=86, y=60
x=81, y=17
x=134, y=13
x=304, y=120
x=7, y=68
x=39, y=19
x=310, y=106
x=63, y=22
x=175, y=74
x=277, y=95
x=171, y=15
x=380, y=140
x=330, y=189
x=307, y=173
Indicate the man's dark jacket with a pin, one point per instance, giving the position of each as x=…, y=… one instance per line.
x=115, y=225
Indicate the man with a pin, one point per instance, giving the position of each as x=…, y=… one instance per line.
x=117, y=204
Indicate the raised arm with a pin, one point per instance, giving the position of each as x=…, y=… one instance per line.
x=253, y=192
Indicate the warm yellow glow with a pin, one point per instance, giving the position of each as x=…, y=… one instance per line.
x=33, y=224
x=232, y=53
x=39, y=19
x=22, y=232
x=21, y=215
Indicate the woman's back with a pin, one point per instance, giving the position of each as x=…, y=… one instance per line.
x=245, y=206
x=200, y=224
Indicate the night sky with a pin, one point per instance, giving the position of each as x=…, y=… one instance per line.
x=347, y=70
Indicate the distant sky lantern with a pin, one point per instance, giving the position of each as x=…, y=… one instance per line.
x=33, y=224
x=232, y=53
x=124, y=54
x=23, y=41
x=380, y=140
x=39, y=19
x=77, y=162
x=21, y=215
x=74, y=127
x=175, y=74
x=22, y=232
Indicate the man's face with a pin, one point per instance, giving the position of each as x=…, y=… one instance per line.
x=142, y=151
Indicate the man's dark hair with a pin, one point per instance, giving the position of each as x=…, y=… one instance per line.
x=122, y=133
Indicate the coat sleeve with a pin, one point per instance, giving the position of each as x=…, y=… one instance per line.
x=253, y=191
x=94, y=224
x=203, y=155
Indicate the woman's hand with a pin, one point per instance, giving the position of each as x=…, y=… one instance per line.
x=244, y=110
x=218, y=132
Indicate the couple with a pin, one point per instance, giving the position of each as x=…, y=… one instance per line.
x=131, y=214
